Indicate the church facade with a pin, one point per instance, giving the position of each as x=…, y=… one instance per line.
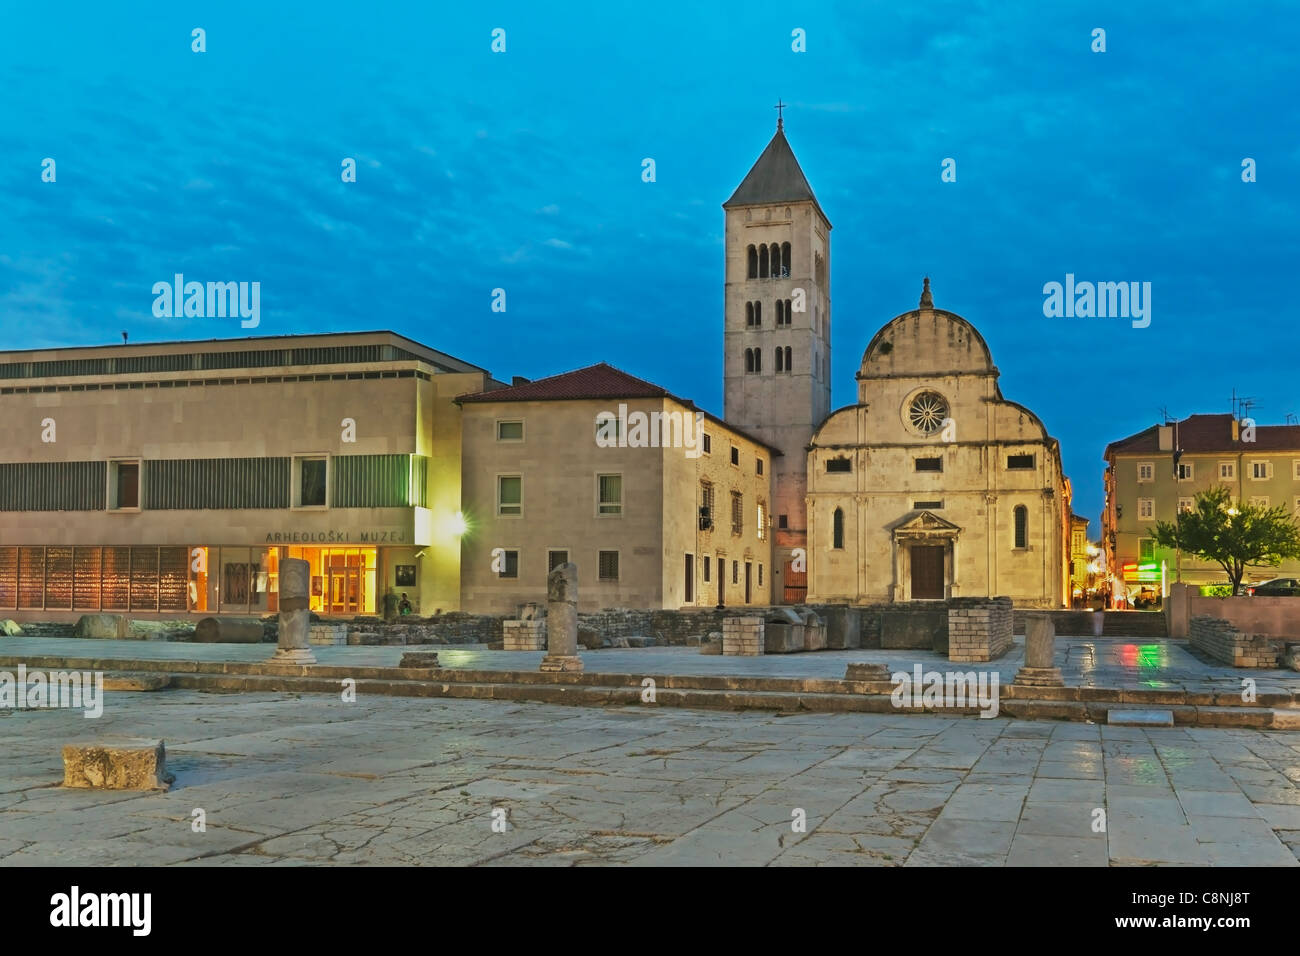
x=933, y=485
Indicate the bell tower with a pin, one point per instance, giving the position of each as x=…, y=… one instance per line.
x=777, y=335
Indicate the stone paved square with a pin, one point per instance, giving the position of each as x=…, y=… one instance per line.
x=311, y=780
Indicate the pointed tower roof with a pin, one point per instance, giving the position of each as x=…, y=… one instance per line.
x=775, y=178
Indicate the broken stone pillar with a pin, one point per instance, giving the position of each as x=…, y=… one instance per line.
x=295, y=614
x=562, y=620
x=1040, y=648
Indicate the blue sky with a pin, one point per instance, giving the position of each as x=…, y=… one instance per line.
x=522, y=171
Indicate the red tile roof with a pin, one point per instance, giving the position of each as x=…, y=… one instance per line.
x=1210, y=434
x=601, y=381
x=594, y=381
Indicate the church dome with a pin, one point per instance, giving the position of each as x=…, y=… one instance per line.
x=924, y=341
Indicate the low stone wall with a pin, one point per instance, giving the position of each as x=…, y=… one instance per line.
x=743, y=636
x=979, y=629
x=524, y=636
x=1273, y=616
x=328, y=635
x=1220, y=640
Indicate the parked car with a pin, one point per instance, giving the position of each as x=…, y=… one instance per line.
x=1277, y=587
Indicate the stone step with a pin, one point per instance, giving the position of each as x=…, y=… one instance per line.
x=1130, y=717
x=137, y=682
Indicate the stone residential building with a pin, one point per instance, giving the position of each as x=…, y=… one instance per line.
x=1144, y=485
x=1078, y=555
x=933, y=485
x=777, y=334
x=659, y=504
x=172, y=478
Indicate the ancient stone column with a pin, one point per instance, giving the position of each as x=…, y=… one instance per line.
x=562, y=620
x=295, y=613
x=1040, y=648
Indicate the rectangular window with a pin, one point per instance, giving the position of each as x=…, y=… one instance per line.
x=762, y=521
x=608, y=565
x=1227, y=470
x=929, y=464
x=509, y=565
x=1146, y=471
x=312, y=488
x=1146, y=509
x=758, y=466
x=124, y=486
x=1261, y=470
x=781, y=522
x=706, y=506
x=1297, y=506
x=689, y=571
x=1018, y=462
x=310, y=481
x=510, y=495
x=927, y=505
x=1185, y=505
x=838, y=464
x=708, y=445
x=1259, y=501
x=735, y=572
x=737, y=513
x=610, y=494
x=1146, y=549
x=1186, y=471
x=1295, y=469
x=735, y=455
x=556, y=558
x=760, y=575
x=707, y=562
x=510, y=431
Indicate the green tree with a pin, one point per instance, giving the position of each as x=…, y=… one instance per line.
x=1233, y=535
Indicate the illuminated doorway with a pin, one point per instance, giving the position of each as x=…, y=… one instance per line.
x=343, y=580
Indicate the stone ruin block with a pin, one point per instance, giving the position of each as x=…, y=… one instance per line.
x=117, y=764
x=783, y=638
x=814, y=632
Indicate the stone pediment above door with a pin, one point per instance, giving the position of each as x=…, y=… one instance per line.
x=925, y=524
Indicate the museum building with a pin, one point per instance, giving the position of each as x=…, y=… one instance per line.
x=173, y=477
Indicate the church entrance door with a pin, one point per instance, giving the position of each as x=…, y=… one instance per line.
x=927, y=572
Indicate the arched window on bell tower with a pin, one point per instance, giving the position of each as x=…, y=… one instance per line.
x=789, y=358
x=780, y=312
x=753, y=262
x=749, y=360
x=758, y=313
x=749, y=314
x=780, y=359
x=1022, y=526
x=837, y=528
x=785, y=260
x=762, y=262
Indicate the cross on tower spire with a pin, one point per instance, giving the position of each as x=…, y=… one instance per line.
x=780, y=114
